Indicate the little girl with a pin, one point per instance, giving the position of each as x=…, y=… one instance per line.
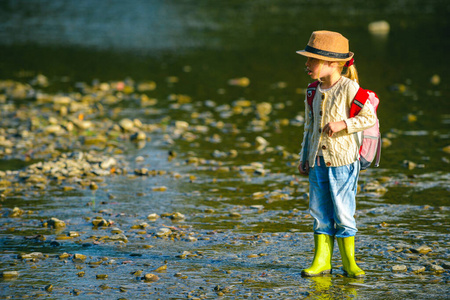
x=330, y=150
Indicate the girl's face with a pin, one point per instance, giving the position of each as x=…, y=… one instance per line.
x=317, y=68
x=313, y=67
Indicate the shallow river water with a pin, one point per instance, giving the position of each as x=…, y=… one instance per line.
x=148, y=150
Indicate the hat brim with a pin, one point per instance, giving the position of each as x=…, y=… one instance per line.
x=318, y=56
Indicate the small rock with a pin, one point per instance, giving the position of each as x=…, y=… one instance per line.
x=93, y=186
x=177, y=216
x=159, y=189
x=78, y=256
x=116, y=230
x=76, y=292
x=64, y=256
x=32, y=255
x=185, y=254
x=235, y=215
x=153, y=217
x=10, y=274
x=73, y=234
x=49, y=288
x=108, y=163
x=118, y=237
x=417, y=269
x=100, y=222
x=141, y=171
x=437, y=269
x=162, y=232
x=399, y=268
x=138, y=136
x=258, y=207
x=409, y=165
x=161, y=269
x=126, y=124
x=101, y=276
x=56, y=223
x=16, y=212
x=422, y=249
x=151, y=277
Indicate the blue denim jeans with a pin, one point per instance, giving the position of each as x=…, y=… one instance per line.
x=332, y=192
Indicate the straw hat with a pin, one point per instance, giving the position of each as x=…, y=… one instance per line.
x=327, y=45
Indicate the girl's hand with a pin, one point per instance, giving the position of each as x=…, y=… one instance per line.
x=303, y=171
x=334, y=127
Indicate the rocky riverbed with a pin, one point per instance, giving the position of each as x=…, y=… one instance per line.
x=108, y=192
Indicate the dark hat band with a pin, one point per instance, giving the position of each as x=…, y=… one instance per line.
x=326, y=53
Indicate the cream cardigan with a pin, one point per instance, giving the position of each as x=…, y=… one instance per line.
x=331, y=106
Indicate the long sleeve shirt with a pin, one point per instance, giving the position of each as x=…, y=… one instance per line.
x=333, y=105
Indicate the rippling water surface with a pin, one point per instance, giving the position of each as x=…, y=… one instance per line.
x=246, y=231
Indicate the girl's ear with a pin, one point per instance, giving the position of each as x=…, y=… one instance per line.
x=333, y=64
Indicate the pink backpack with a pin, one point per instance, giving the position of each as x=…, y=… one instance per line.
x=370, y=149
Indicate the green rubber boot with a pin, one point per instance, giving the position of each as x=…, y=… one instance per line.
x=347, y=249
x=323, y=252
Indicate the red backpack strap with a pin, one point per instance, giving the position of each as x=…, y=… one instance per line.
x=311, y=92
x=358, y=102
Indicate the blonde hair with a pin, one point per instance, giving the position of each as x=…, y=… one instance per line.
x=350, y=72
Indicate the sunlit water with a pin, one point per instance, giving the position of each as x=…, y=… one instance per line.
x=252, y=233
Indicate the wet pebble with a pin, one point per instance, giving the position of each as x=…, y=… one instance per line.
x=149, y=277
x=16, y=212
x=33, y=255
x=10, y=274
x=399, y=268
x=48, y=288
x=422, y=249
x=80, y=257
x=56, y=223
x=117, y=237
x=153, y=217
x=235, y=215
x=126, y=124
x=159, y=189
x=100, y=222
x=177, y=216
x=163, y=268
x=437, y=269
x=417, y=269
x=163, y=232
x=138, y=136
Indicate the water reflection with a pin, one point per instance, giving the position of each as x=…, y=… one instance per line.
x=328, y=288
x=321, y=288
